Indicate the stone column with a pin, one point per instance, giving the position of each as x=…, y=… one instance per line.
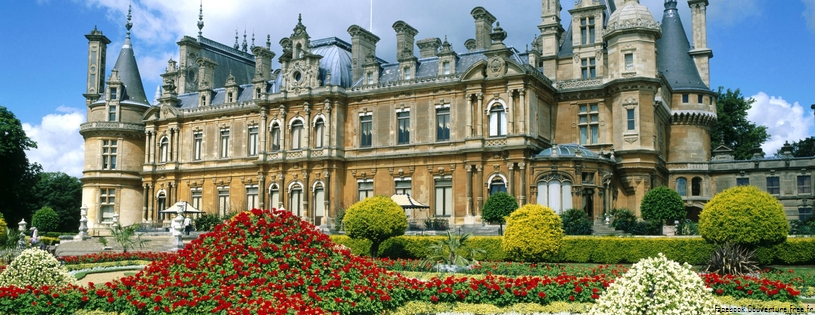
x=522, y=111
x=283, y=128
x=145, y=217
x=511, y=180
x=326, y=196
x=469, y=118
x=261, y=189
x=309, y=216
x=511, y=112
x=469, y=189
x=480, y=195
x=308, y=127
x=147, y=147
x=522, y=187
x=150, y=190
x=263, y=132
x=480, y=127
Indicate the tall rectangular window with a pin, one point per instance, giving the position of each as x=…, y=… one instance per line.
x=113, y=93
x=223, y=200
x=319, y=204
x=445, y=67
x=251, y=197
x=275, y=138
x=366, y=189
x=631, y=121
x=112, y=113
x=229, y=98
x=365, y=124
x=773, y=185
x=700, y=99
x=224, y=143
x=370, y=77
x=403, y=121
x=403, y=187
x=804, y=185
x=109, y=152
x=629, y=62
x=274, y=196
x=197, y=141
x=443, y=124
x=588, y=68
x=297, y=135
x=107, y=201
x=589, y=124
x=296, y=200
x=253, y=141
x=319, y=133
x=406, y=72
x=685, y=98
x=587, y=30
x=743, y=181
x=444, y=197
x=195, y=197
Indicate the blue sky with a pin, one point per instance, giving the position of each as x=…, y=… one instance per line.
x=763, y=47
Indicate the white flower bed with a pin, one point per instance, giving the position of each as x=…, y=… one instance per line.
x=35, y=267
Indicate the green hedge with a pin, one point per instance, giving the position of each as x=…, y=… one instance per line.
x=596, y=249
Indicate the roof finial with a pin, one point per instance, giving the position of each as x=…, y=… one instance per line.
x=268, y=41
x=299, y=18
x=253, y=38
x=200, y=18
x=129, y=24
x=244, y=41
x=236, y=46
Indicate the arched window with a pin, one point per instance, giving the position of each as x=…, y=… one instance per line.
x=297, y=135
x=555, y=193
x=275, y=138
x=696, y=186
x=319, y=133
x=319, y=203
x=296, y=199
x=682, y=186
x=164, y=149
x=274, y=196
x=497, y=184
x=161, y=202
x=498, y=121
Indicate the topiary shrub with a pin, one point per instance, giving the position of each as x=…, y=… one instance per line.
x=36, y=268
x=498, y=206
x=662, y=204
x=576, y=222
x=376, y=219
x=45, y=219
x=534, y=233
x=622, y=219
x=744, y=215
x=656, y=286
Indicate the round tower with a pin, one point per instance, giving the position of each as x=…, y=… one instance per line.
x=114, y=137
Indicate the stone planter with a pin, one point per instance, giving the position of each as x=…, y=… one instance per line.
x=669, y=230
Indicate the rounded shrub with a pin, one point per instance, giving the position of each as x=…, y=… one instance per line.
x=656, y=285
x=498, y=206
x=534, y=233
x=45, y=219
x=576, y=222
x=662, y=204
x=744, y=215
x=36, y=268
x=376, y=219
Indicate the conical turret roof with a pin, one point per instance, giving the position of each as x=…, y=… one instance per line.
x=128, y=72
x=673, y=59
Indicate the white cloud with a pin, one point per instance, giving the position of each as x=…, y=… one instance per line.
x=60, y=147
x=784, y=121
x=731, y=13
x=809, y=14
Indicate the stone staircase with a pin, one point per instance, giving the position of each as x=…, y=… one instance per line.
x=601, y=228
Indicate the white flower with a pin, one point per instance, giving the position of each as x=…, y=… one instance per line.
x=35, y=267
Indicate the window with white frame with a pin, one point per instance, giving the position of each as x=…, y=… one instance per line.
x=589, y=123
x=498, y=121
x=406, y=73
x=587, y=34
x=365, y=189
x=370, y=77
x=107, y=202
x=444, y=196
x=161, y=202
x=223, y=200
x=319, y=202
x=496, y=185
x=114, y=93
x=296, y=199
x=365, y=129
x=403, y=127
x=443, y=124
x=297, y=135
x=319, y=133
x=402, y=186
x=555, y=192
x=224, y=143
x=164, y=149
x=109, y=153
x=253, y=141
x=629, y=61
x=274, y=196
x=197, y=143
x=445, y=67
x=196, y=194
x=632, y=122
x=252, y=200
x=275, y=138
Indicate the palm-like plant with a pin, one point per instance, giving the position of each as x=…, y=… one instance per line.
x=126, y=237
x=732, y=259
x=446, y=251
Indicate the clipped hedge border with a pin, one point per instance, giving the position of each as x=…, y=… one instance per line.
x=596, y=249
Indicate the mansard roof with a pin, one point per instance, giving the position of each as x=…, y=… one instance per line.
x=673, y=58
x=230, y=61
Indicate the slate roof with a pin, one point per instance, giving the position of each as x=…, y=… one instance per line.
x=336, y=57
x=567, y=150
x=128, y=72
x=673, y=59
x=230, y=60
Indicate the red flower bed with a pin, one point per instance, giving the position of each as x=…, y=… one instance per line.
x=751, y=287
x=108, y=257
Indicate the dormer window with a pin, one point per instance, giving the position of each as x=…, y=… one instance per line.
x=203, y=100
x=229, y=97
x=587, y=30
x=445, y=67
x=112, y=113
x=406, y=72
x=370, y=76
x=257, y=93
x=113, y=93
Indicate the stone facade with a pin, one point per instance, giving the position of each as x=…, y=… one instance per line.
x=590, y=117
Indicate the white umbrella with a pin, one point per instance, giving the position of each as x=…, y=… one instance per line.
x=185, y=207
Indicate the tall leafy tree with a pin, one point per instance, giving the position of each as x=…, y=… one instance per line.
x=63, y=193
x=17, y=175
x=732, y=127
x=802, y=148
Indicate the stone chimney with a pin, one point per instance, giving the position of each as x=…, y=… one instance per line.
x=405, y=35
x=363, y=44
x=483, y=27
x=700, y=52
x=428, y=47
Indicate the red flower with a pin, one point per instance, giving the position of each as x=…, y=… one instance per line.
x=719, y=291
x=542, y=295
x=434, y=299
x=571, y=297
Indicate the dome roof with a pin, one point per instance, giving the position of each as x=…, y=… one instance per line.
x=566, y=150
x=632, y=15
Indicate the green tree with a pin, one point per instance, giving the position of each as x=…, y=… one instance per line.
x=576, y=222
x=802, y=148
x=661, y=204
x=45, y=219
x=498, y=206
x=534, y=234
x=63, y=193
x=732, y=127
x=18, y=175
x=744, y=215
x=376, y=219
